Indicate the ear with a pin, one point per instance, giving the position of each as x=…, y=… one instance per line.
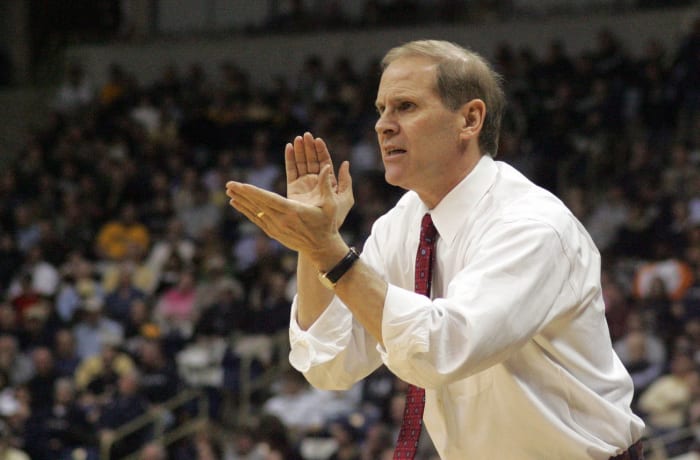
x=473, y=114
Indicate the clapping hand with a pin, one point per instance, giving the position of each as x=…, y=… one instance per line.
x=316, y=205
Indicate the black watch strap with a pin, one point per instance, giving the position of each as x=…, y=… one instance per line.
x=331, y=277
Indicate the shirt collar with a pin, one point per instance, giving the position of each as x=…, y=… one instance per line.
x=454, y=210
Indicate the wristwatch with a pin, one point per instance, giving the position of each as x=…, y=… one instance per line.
x=331, y=277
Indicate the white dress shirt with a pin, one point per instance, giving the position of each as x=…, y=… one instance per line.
x=513, y=350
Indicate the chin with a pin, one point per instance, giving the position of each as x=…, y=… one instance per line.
x=392, y=179
x=397, y=176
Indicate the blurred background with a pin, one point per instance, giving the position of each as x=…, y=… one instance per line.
x=141, y=317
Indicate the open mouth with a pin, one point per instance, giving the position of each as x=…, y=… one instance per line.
x=393, y=152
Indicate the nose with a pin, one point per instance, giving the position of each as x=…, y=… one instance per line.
x=385, y=125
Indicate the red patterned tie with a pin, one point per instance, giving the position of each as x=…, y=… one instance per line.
x=409, y=433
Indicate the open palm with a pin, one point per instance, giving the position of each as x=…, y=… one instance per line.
x=303, y=162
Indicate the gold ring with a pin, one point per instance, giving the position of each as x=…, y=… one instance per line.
x=260, y=214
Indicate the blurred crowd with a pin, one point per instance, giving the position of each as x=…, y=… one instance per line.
x=125, y=277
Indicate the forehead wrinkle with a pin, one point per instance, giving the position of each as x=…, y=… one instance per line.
x=400, y=81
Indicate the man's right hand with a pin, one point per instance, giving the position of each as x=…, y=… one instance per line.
x=304, y=160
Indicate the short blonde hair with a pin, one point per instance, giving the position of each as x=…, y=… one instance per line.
x=462, y=75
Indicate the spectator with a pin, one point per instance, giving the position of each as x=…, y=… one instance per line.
x=378, y=439
x=98, y=374
x=175, y=311
x=644, y=356
x=41, y=385
x=75, y=93
x=13, y=363
x=665, y=279
x=63, y=428
x=608, y=216
x=127, y=405
x=10, y=259
x=93, y=327
x=26, y=224
x=66, y=359
x=202, y=445
x=115, y=237
x=657, y=302
x=79, y=284
x=170, y=273
x=153, y=451
x=15, y=411
x=37, y=328
x=225, y=311
x=201, y=365
x=132, y=271
x=45, y=277
x=119, y=299
x=216, y=273
x=668, y=398
x=244, y=446
x=159, y=379
x=263, y=172
x=139, y=326
x=296, y=404
x=157, y=212
x=347, y=438
x=8, y=319
x=147, y=115
x=268, y=307
x=173, y=241
x=117, y=87
x=7, y=450
x=25, y=296
x=678, y=176
x=201, y=215
x=251, y=248
x=274, y=437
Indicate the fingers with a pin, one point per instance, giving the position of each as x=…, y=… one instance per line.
x=290, y=164
x=255, y=199
x=312, y=163
x=264, y=220
x=257, y=211
x=322, y=152
x=324, y=157
x=305, y=155
x=246, y=208
x=300, y=156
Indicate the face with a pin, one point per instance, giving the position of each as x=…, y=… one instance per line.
x=421, y=140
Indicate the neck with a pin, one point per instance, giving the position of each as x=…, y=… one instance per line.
x=433, y=197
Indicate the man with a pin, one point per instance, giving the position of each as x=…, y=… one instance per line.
x=7, y=450
x=511, y=345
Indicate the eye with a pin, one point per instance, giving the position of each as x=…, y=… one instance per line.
x=405, y=106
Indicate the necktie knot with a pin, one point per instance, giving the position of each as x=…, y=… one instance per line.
x=427, y=229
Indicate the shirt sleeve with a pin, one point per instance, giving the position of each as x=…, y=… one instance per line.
x=514, y=283
x=335, y=352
